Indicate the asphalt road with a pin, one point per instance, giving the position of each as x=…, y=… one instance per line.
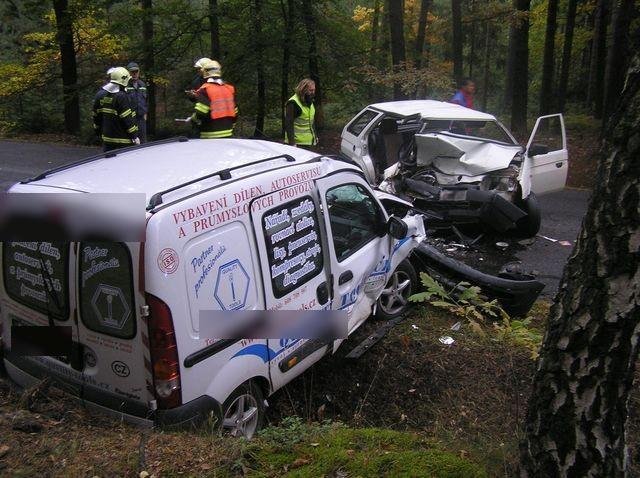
x=562, y=213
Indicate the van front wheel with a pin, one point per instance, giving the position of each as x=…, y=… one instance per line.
x=243, y=411
x=394, y=300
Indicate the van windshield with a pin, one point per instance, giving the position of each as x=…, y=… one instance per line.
x=36, y=275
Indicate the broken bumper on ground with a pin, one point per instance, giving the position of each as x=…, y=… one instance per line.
x=516, y=295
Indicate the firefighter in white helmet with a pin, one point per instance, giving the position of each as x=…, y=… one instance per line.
x=215, y=109
x=114, y=121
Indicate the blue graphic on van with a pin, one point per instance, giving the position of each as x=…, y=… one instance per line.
x=399, y=244
x=232, y=286
x=264, y=351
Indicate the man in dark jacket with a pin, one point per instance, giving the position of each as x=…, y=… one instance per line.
x=113, y=118
x=137, y=91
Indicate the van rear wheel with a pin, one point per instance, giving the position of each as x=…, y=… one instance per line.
x=243, y=411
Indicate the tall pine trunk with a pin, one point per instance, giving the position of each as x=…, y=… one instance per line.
x=287, y=16
x=472, y=38
x=486, y=66
x=518, y=68
x=309, y=17
x=258, y=131
x=456, y=19
x=71, y=99
x=617, y=55
x=214, y=30
x=425, y=5
x=396, y=28
x=546, y=87
x=595, y=86
x=566, y=54
x=578, y=411
x=149, y=62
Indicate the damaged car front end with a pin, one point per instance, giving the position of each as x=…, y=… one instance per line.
x=456, y=165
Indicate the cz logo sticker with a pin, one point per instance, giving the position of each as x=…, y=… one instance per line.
x=121, y=369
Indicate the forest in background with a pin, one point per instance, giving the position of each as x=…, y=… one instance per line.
x=527, y=57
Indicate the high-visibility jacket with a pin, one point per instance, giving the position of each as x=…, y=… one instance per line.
x=215, y=110
x=304, y=132
x=113, y=118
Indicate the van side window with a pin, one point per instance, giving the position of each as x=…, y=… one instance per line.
x=36, y=274
x=361, y=122
x=106, y=289
x=354, y=217
x=294, y=250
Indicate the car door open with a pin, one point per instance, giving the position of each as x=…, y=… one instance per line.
x=547, y=153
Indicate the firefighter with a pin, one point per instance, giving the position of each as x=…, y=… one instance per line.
x=215, y=108
x=300, y=114
x=137, y=91
x=113, y=118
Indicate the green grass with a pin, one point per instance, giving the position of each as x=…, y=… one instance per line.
x=334, y=450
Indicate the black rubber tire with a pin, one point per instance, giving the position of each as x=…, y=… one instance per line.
x=529, y=225
x=247, y=388
x=406, y=269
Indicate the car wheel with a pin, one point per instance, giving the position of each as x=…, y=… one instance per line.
x=243, y=411
x=529, y=225
x=394, y=300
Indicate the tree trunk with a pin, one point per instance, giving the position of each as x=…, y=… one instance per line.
x=64, y=26
x=287, y=16
x=578, y=409
x=472, y=38
x=456, y=18
x=546, y=87
x=518, y=68
x=375, y=20
x=314, y=68
x=425, y=5
x=598, y=59
x=566, y=54
x=486, y=67
x=149, y=62
x=617, y=55
x=396, y=27
x=258, y=132
x=214, y=30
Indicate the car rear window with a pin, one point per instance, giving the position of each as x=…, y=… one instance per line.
x=361, y=121
x=36, y=275
x=106, y=289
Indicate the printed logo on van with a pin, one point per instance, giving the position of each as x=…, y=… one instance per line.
x=168, y=260
x=121, y=369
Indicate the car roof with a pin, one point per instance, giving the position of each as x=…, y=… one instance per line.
x=431, y=109
x=158, y=167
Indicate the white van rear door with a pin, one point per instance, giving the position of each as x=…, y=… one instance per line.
x=110, y=325
x=294, y=271
x=548, y=171
x=359, y=245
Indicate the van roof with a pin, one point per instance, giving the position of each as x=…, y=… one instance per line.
x=431, y=109
x=158, y=167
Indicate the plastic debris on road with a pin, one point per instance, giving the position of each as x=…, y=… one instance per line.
x=455, y=327
x=502, y=245
x=414, y=327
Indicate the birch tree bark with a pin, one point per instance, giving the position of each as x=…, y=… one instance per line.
x=578, y=408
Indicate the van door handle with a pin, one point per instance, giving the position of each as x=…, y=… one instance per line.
x=345, y=277
x=559, y=165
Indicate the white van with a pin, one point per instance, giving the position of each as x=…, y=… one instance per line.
x=220, y=235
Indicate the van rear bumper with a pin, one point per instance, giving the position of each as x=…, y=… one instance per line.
x=26, y=374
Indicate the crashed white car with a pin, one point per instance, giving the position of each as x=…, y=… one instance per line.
x=459, y=165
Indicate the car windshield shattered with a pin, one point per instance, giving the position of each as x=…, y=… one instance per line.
x=483, y=130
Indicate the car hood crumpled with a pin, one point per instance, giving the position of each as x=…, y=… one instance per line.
x=462, y=156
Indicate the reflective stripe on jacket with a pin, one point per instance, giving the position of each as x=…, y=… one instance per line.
x=303, y=129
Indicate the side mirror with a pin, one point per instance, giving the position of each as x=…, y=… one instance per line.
x=535, y=149
x=397, y=228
